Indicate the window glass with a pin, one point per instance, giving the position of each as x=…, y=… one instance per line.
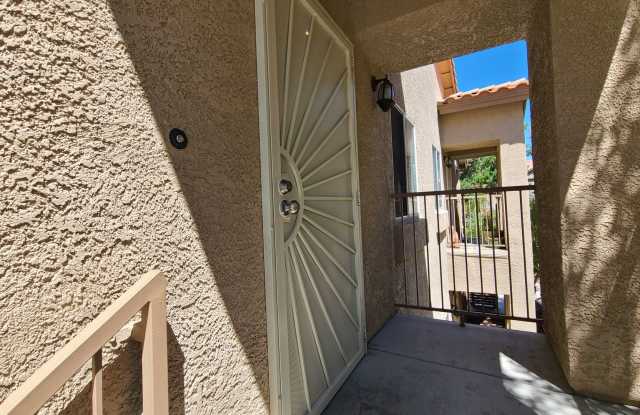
x=437, y=174
x=405, y=171
x=399, y=159
x=412, y=164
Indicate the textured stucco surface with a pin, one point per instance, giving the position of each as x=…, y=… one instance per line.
x=546, y=160
x=484, y=127
x=413, y=33
x=596, y=75
x=376, y=207
x=91, y=196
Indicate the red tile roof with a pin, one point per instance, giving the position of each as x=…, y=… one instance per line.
x=489, y=90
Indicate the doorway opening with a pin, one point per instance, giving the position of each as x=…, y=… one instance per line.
x=466, y=240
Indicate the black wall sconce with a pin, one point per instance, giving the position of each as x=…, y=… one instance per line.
x=384, y=92
x=178, y=138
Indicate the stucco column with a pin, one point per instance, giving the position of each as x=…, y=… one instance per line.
x=513, y=172
x=587, y=166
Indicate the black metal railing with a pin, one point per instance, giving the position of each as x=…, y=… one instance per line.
x=468, y=253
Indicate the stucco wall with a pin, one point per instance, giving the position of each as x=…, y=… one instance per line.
x=480, y=127
x=596, y=74
x=92, y=196
x=418, y=94
x=411, y=33
x=376, y=206
x=546, y=162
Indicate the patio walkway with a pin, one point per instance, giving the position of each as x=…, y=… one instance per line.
x=422, y=366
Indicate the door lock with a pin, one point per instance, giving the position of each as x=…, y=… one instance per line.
x=288, y=208
x=285, y=187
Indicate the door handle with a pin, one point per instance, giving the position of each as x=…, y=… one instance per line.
x=288, y=208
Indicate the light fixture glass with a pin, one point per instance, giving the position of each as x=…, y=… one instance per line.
x=385, y=93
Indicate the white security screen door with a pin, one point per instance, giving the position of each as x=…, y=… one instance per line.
x=315, y=206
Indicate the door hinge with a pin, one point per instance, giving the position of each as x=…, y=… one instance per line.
x=358, y=198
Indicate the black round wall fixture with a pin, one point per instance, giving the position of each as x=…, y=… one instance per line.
x=178, y=138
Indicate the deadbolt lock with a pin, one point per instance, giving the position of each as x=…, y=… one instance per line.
x=285, y=186
x=288, y=208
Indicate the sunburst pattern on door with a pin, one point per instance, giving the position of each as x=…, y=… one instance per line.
x=318, y=204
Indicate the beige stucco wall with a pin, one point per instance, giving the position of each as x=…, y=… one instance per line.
x=501, y=127
x=498, y=126
x=92, y=196
x=486, y=126
x=417, y=95
x=376, y=205
x=412, y=33
x=593, y=286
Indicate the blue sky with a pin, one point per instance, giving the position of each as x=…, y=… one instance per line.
x=494, y=66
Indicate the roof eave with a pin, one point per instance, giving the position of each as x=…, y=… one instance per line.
x=505, y=96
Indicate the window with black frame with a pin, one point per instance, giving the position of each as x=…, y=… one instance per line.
x=399, y=160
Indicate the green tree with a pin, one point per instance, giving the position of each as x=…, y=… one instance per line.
x=480, y=172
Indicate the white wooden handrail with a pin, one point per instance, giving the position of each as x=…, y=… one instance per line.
x=148, y=295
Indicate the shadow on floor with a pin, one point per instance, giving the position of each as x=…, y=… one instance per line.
x=418, y=365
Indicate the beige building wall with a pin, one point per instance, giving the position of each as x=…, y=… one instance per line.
x=498, y=126
x=501, y=127
x=418, y=93
x=412, y=33
x=92, y=195
x=589, y=164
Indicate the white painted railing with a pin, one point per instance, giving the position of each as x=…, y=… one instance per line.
x=147, y=294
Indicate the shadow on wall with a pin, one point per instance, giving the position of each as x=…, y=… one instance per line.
x=603, y=213
x=193, y=59
x=122, y=388
x=597, y=124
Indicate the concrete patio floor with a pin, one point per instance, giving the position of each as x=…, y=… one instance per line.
x=418, y=365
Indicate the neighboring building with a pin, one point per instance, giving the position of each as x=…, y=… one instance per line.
x=440, y=132
x=418, y=92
